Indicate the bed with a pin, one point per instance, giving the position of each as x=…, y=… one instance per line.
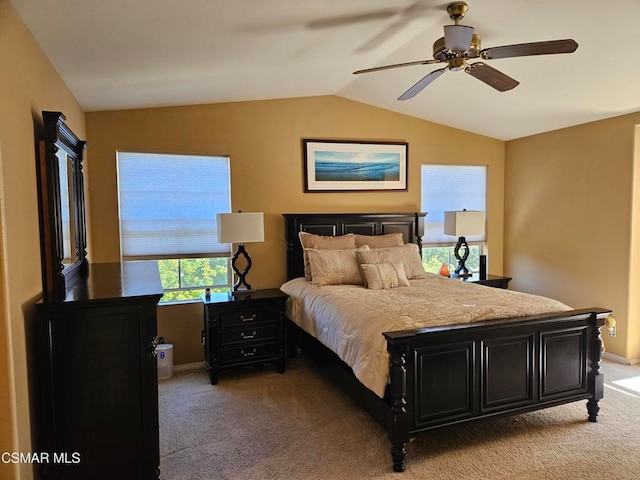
x=449, y=374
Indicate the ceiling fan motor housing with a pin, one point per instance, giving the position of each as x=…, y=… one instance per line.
x=457, y=10
x=441, y=53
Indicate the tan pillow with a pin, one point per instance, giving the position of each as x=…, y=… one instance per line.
x=380, y=241
x=322, y=242
x=335, y=267
x=381, y=276
x=408, y=255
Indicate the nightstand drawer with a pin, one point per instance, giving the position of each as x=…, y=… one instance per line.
x=248, y=334
x=247, y=317
x=248, y=353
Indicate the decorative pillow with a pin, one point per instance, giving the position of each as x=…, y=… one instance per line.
x=408, y=255
x=322, y=242
x=380, y=276
x=335, y=267
x=380, y=241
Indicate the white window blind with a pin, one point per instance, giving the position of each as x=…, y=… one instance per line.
x=451, y=187
x=168, y=204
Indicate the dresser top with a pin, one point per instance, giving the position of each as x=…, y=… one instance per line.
x=117, y=280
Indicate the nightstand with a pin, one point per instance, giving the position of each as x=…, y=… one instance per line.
x=491, y=280
x=244, y=330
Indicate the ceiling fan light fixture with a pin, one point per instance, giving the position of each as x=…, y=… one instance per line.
x=458, y=37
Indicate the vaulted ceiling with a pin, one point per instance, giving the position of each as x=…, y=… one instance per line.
x=121, y=54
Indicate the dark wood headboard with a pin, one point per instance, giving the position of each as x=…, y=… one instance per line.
x=411, y=225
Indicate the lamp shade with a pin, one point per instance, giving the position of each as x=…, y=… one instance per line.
x=464, y=223
x=457, y=38
x=241, y=227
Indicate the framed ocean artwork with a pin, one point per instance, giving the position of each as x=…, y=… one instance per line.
x=338, y=166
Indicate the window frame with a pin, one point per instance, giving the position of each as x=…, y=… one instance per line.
x=181, y=257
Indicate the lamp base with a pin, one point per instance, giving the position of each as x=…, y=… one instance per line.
x=242, y=276
x=461, y=270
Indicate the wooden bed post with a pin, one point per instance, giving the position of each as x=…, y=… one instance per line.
x=595, y=379
x=399, y=427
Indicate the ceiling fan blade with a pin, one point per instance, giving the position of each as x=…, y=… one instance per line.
x=383, y=35
x=525, y=49
x=492, y=77
x=349, y=19
x=396, y=65
x=422, y=83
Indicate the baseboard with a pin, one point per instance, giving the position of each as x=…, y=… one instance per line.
x=618, y=358
x=188, y=366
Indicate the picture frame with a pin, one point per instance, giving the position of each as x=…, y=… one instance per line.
x=354, y=166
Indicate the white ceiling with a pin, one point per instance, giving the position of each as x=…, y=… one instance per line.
x=119, y=54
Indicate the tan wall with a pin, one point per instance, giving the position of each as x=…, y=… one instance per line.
x=633, y=337
x=28, y=85
x=568, y=211
x=7, y=426
x=181, y=325
x=263, y=139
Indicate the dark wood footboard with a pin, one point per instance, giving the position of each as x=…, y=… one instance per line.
x=444, y=376
x=450, y=375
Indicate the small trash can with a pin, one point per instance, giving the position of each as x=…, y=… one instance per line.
x=164, y=353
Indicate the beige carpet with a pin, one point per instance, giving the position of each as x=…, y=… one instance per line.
x=262, y=425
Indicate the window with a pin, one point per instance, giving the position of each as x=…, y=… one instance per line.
x=167, y=207
x=450, y=187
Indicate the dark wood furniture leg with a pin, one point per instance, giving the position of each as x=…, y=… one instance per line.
x=596, y=379
x=214, y=375
x=399, y=428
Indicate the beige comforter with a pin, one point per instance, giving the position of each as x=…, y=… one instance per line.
x=350, y=319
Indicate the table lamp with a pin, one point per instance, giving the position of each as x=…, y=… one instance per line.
x=240, y=228
x=462, y=224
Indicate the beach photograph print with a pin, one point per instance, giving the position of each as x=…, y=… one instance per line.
x=332, y=166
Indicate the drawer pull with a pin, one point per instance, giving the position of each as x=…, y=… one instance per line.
x=247, y=337
x=248, y=354
x=248, y=319
x=152, y=347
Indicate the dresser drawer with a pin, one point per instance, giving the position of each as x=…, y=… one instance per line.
x=248, y=353
x=248, y=334
x=247, y=317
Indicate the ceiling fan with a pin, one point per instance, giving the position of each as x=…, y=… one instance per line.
x=461, y=44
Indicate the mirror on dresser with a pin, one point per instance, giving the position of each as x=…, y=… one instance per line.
x=62, y=212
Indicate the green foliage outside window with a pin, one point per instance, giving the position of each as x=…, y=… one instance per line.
x=434, y=257
x=186, y=278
